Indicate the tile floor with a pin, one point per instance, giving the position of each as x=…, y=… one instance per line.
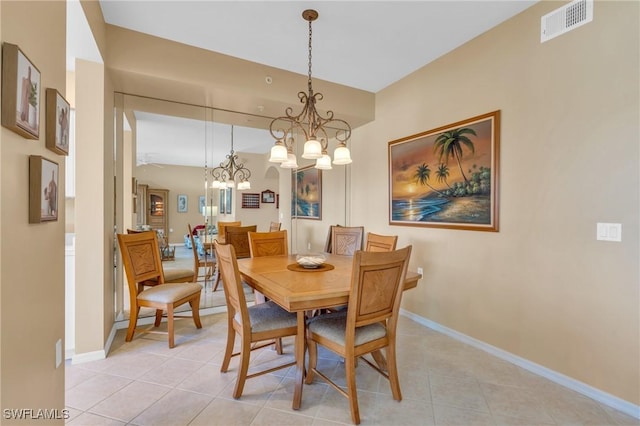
x=444, y=382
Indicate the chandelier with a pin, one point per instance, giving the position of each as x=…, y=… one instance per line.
x=316, y=128
x=231, y=171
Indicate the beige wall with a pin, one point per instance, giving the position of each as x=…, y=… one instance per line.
x=542, y=288
x=31, y=255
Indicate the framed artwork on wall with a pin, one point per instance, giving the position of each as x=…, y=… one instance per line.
x=202, y=202
x=306, y=193
x=250, y=201
x=20, y=93
x=43, y=189
x=447, y=177
x=57, y=122
x=268, y=196
x=182, y=203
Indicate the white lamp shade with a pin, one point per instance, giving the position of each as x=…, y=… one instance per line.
x=209, y=211
x=231, y=184
x=291, y=163
x=312, y=149
x=215, y=184
x=223, y=185
x=323, y=163
x=278, y=154
x=341, y=155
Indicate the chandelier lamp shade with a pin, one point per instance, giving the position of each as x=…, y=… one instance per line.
x=315, y=127
x=231, y=173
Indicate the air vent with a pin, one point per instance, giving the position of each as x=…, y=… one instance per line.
x=565, y=19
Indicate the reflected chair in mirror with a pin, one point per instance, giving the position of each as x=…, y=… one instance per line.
x=368, y=325
x=274, y=226
x=222, y=229
x=238, y=237
x=141, y=260
x=254, y=324
x=206, y=262
x=346, y=240
x=376, y=242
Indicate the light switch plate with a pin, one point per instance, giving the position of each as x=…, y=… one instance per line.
x=58, y=353
x=609, y=231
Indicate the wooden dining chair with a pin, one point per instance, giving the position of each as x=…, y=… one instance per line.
x=275, y=226
x=346, y=240
x=273, y=243
x=254, y=324
x=206, y=262
x=368, y=325
x=141, y=259
x=222, y=229
x=238, y=237
x=376, y=242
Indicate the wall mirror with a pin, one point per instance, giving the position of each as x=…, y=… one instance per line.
x=174, y=147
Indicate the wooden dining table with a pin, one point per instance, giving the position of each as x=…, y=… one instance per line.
x=302, y=291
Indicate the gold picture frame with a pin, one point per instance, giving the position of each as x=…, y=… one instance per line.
x=20, y=93
x=58, y=116
x=43, y=189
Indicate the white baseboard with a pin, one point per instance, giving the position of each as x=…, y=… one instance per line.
x=95, y=355
x=559, y=378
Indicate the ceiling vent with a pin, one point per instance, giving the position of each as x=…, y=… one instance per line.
x=565, y=19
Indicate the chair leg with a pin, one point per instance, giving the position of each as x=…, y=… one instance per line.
x=278, y=346
x=352, y=391
x=170, y=326
x=218, y=277
x=158, y=317
x=312, y=347
x=133, y=320
x=231, y=339
x=245, y=354
x=392, y=370
x=195, y=311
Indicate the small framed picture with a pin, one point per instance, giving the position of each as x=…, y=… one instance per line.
x=202, y=204
x=20, y=93
x=268, y=196
x=43, y=189
x=182, y=203
x=57, y=122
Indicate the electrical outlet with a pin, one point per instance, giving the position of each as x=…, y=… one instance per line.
x=420, y=271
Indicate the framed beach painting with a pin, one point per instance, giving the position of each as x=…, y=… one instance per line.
x=447, y=177
x=57, y=122
x=306, y=193
x=20, y=93
x=43, y=189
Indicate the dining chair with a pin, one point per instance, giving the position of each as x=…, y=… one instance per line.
x=275, y=226
x=206, y=261
x=346, y=240
x=222, y=229
x=238, y=237
x=141, y=259
x=173, y=273
x=376, y=242
x=368, y=325
x=254, y=324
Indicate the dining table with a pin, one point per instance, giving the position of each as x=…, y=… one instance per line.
x=301, y=290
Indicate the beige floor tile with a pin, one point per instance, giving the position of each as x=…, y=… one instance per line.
x=323, y=422
x=130, y=401
x=257, y=390
x=407, y=412
x=282, y=398
x=207, y=380
x=516, y=402
x=88, y=419
x=73, y=376
x=85, y=395
x=620, y=418
x=174, y=409
x=446, y=415
x=457, y=392
x=224, y=412
x=335, y=407
x=172, y=372
x=268, y=416
x=73, y=413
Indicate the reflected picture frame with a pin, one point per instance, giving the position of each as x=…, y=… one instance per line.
x=183, y=203
x=447, y=177
x=306, y=193
x=44, y=194
x=21, y=88
x=58, y=122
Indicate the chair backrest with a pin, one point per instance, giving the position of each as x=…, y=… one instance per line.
x=222, y=228
x=134, y=231
x=377, y=282
x=377, y=242
x=238, y=237
x=141, y=259
x=268, y=243
x=274, y=226
x=231, y=281
x=327, y=244
x=194, y=248
x=346, y=240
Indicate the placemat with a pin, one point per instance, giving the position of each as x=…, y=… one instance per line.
x=297, y=268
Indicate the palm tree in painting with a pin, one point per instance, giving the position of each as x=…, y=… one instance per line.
x=449, y=144
x=423, y=173
x=442, y=174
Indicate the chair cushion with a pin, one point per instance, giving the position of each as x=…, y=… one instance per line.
x=269, y=316
x=332, y=326
x=169, y=293
x=172, y=274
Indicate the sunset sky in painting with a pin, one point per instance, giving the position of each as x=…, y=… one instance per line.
x=408, y=155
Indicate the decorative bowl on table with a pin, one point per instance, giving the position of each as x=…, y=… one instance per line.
x=310, y=260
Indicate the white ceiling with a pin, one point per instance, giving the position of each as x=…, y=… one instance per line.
x=363, y=44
